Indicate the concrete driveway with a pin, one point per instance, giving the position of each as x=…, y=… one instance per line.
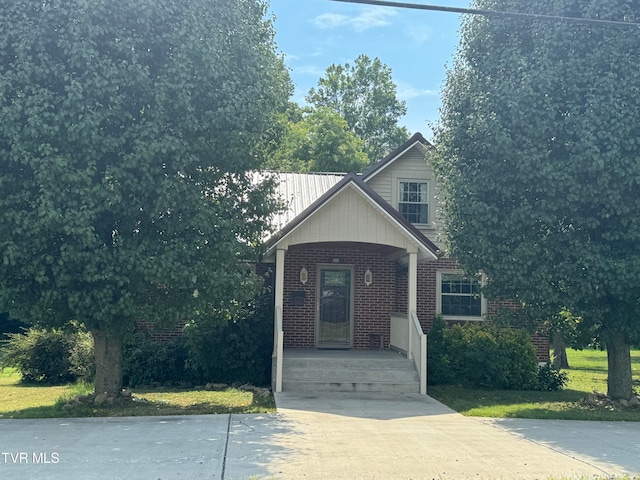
x=319, y=436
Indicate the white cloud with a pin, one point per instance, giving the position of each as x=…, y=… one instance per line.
x=367, y=19
x=290, y=58
x=406, y=91
x=419, y=34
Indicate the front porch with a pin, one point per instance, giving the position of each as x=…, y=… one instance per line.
x=348, y=371
x=344, y=300
x=342, y=267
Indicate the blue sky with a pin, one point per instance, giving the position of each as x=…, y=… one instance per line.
x=415, y=44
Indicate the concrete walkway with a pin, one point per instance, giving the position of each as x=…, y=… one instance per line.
x=319, y=436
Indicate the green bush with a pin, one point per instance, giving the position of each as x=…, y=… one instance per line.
x=147, y=361
x=481, y=355
x=233, y=351
x=550, y=378
x=213, y=349
x=50, y=356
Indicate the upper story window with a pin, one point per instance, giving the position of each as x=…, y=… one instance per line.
x=459, y=296
x=413, y=201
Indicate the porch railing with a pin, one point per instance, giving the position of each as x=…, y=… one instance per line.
x=407, y=337
x=278, y=350
x=419, y=351
x=400, y=332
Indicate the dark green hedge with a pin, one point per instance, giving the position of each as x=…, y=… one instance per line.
x=481, y=355
x=213, y=349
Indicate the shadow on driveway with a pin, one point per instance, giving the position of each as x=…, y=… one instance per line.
x=391, y=436
x=318, y=436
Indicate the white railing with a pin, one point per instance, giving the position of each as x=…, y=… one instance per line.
x=278, y=350
x=419, y=351
x=400, y=332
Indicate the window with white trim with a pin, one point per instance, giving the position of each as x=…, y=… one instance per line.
x=413, y=201
x=459, y=296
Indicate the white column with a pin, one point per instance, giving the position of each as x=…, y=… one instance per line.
x=279, y=301
x=279, y=293
x=412, y=294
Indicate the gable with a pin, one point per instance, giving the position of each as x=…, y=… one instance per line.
x=352, y=212
x=411, y=165
x=348, y=217
x=409, y=162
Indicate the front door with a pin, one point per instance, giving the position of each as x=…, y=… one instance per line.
x=334, y=325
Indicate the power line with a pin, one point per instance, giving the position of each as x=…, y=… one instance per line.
x=491, y=13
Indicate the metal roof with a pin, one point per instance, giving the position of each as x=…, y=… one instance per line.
x=428, y=248
x=299, y=191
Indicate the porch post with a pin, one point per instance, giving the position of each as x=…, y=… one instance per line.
x=278, y=333
x=412, y=293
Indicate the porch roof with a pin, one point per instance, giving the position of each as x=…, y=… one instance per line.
x=351, y=211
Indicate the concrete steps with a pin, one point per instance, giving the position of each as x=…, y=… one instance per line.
x=348, y=371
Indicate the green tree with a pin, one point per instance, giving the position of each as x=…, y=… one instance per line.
x=333, y=147
x=539, y=156
x=127, y=131
x=318, y=140
x=365, y=96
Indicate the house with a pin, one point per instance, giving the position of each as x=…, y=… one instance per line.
x=358, y=264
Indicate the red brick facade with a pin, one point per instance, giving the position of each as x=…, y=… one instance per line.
x=373, y=304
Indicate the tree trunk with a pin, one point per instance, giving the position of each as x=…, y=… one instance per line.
x=108, y=353
x=619, y=381
x=559, y=350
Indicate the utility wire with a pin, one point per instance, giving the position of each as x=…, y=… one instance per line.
x=491, y=13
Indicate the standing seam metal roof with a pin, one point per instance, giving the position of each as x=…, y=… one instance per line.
x=299, y=191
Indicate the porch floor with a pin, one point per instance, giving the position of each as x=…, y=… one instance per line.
x=348, y=371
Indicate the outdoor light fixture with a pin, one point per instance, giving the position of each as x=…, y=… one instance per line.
x=368, y=277
x=304, y=275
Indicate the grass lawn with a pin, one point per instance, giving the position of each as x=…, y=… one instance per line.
x=588, y=372
x=34, y=401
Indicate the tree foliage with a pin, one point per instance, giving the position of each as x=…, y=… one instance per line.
x=127, y=131
x=539, y=156
x=318, y=140
x=365, y=96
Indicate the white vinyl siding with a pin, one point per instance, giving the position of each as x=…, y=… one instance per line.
x=348, y=217
x=412, y=165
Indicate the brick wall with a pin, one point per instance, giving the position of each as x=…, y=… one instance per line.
x=427, y=300
x=373, y=304
x=541, y=342
x=158, y=334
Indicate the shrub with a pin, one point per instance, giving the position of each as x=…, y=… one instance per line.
x=481, y=355
x=213, y=349
x=50, y=356
x=233, y=351
x=147, y=361
x=82, y=362
x=439, y=366
x=550, y=378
